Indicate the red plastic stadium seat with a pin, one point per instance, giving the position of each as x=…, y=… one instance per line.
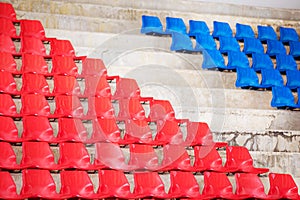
x=131, y=109
x=68, y=106
x=39, y=183
x=143, y=157
x=34, y=84
x=175, y=157
x=77, y=184
x=34, y=64
x=64, y=65
x=105, y=130
x=75, y=156
x=207, y=158
x=37, y=128
x=282, y=186
x=37, y=155
x=7, y=45
x=7, y=27
x=8, y=159
x=8, y=188
x=137, y=131
x=32, y=28
x=93, y=67
x=126, y=88
x=168, y=132
x=101, y=107
x=183, y=184
x=70, y=129
x=66, y=85
x=113, y=183
x=238, y=159
x=7, y=105
x=97, y=86
x=61, y=48
x=33, y=46
x=7, y=62
x=35, y=104
x=7, y=83
x=8, y=130
x=7, y=11
x=161, y=110
x=153, y=187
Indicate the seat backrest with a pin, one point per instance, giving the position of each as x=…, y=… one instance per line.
x=288, y=34
x=285, y=62
x=64, y=65
x=228, y=44
x=181, y=42
x=217, y=184
x=207, y=158
x=7, y=83
x=151, y=24
x=7, y=27
x=198, y=27
x=174, y=24
x=126, y=88
x=205, y=42
x=8, y=158
x=271, y=77
x=34, y=84
x=8, y=188
x=68, y=106
x=7, y=105
x=198, y=133
x=101, y=107
x=35, y=104
x=66, y=85
x=221, y=29
x=143, y=156
x=168, y=132
x=33, y=46
x=32, y=28
x=105, y=129
x=8, y=130
x=283, y=186
x=61, y=48
x=253, y=45
x=266, y=33
x=7, y=11
x=261, y=61
x=243, y=31
x=249, y=184
x=97, y=86
x=137, y=131
x=282, y=97
x=131, y=109
x=7, y=62
x=6, y=44
x=93, y=67
x=161, y=110
x=71, y=129
x=34, y=64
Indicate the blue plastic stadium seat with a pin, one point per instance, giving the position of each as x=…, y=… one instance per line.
x=275, y=47
x=246, y=77
x=181, y=43
x=285, y=62
x=213, y=59
x=198, y=27
x=151, y=25
x=282, y=97
x=288, y=34
x=261, y=61
x=294, y=48
x=293, y=79
x=228, y=44
x=266, y=33
x=270, y=78
x=221, y=29
x=205, y=42
x=243, y=31
x=237, y=59
x=175, y=25
x=253, y=45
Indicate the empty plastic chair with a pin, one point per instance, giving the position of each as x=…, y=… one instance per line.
x=151, y=25
x=183, y=184
x=7, y=83
x=228, y=44
x=7, y=45
x=282, y=97
x=282, y=186
x=105, y=130
x=261, y=61
x=142, y=157
x=35, y=104
x=131, y=109
x=181, y=43
x=35, y=64
x=221, y=29
x=288, y=34
x=97, y=86
x=77, y=184
x=294, y=48
x=246, y=78
x=70, y=129
x=8, y=130
x=237, y=59
x=137, y=131
x=275, y=47
x=168, y=132
x=161, y=110
x=34, y=84
x=8, y=63
x=266, y=33
x=39, y=184
x=8, y=188
x=64, y=65
x=93, y=67
x=253, y=45
x=32, y=28
x=7, y=28
x=153, y=187
x=62, y=48
x=37, y=155
x=198, y=27
x=238, y=159
x=113, y=183
x=293, y=79
x=7, y=106
x=271, y=78
x=74, y=156
x=32, y=45
x=66, y=85
x=176, y=25
x=7, y=11
x=68, y=106
x=243, y=31
x=126, y=88
x=205, y=42
x=37, y=128
x=285, y=63
x=8, y=159
x=213, y=59
x=100, y=107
